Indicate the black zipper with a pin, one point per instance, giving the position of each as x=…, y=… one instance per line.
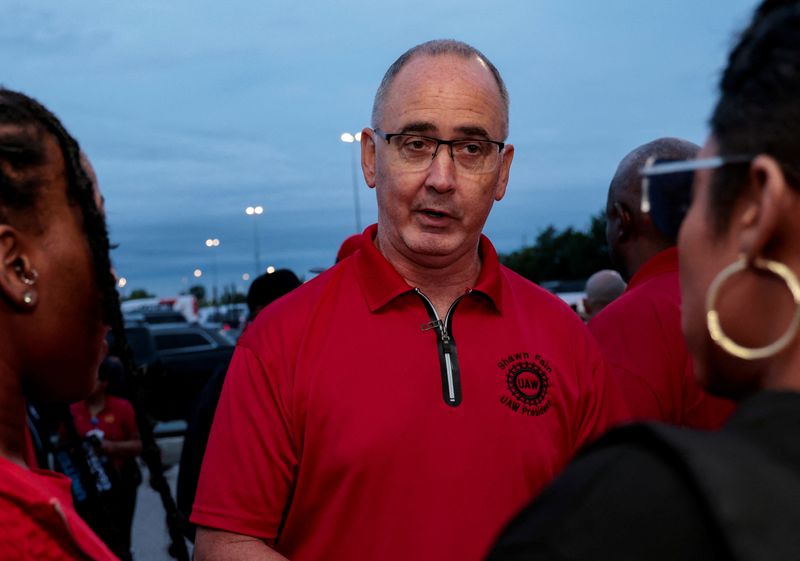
x=448, y=358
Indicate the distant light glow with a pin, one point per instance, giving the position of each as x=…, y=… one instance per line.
x=197, y=273
x=122, y=282
x=246, y=277
x=270, y=270
x=358, y=137
x=347, y=137
x=212, y=242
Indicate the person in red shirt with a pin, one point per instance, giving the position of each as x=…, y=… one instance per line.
x=112, y=422
x=56, y=288
x=640, y=332
x=406, y=402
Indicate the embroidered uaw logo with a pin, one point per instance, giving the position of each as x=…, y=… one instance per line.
x=527, y=377
x=528, y=383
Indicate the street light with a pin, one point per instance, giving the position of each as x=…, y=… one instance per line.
x=198, y=273
x=352, y=139
x=255, y=211
x=212, y=243
x=270, y=270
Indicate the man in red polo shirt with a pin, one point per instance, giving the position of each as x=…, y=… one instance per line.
x=640, y=332
x=407, y=402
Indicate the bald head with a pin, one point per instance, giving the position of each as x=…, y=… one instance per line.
x=438, y=47
x=627, y=182
x=602, y=288
x=632, y=236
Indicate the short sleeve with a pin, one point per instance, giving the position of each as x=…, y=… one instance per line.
x=250, y=463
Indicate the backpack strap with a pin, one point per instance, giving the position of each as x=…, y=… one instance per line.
x=752, y=498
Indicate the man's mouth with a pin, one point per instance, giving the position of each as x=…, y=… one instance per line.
x=435, y=213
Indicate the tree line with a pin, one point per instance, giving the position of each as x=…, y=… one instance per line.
x=563, y=255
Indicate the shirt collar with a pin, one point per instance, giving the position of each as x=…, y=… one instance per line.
x=663, y=262
x=381, y=283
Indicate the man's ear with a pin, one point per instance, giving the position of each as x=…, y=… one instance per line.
x=625, y=227
x=17, y=275
x=768, y=204
x=505, y=168
x=368, y=155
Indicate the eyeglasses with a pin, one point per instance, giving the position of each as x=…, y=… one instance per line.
x=416, y=152
x=667, y=188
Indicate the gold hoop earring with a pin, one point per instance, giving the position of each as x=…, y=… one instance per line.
x=712, y=316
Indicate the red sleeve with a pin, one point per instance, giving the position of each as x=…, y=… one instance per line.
x=249, y=466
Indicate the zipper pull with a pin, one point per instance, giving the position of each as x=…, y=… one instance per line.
x=435, y=324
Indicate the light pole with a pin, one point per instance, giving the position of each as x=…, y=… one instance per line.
x=352, y=139
x=211, y=243
x=255, y=211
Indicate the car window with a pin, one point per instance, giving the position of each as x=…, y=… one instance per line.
x=165, y=317
x=139, y=341
x=170, y=341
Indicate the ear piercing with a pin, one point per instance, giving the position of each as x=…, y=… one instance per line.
x=28, y=278
x=29, y=297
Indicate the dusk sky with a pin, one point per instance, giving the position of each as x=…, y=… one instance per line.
x=193, y=110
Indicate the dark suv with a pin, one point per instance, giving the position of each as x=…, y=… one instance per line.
x=178, y=359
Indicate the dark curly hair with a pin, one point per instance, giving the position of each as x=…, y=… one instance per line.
x=758, y=111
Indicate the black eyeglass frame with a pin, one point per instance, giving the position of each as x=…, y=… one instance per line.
x=652, y=168
x=388, y=136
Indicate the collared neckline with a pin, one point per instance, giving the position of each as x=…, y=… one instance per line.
x=381, y=283
x=665, y=261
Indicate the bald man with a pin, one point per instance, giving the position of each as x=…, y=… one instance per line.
x=640, y=332
x=602, y=288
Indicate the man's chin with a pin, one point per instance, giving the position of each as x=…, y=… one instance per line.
x=432, y=245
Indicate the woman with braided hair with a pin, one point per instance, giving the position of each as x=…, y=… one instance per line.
x=56, y=293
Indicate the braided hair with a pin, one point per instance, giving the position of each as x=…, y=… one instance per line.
x=24, y=122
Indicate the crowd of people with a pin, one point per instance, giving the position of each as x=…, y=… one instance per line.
x=419, y=400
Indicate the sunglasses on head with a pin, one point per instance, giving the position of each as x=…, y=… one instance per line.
x=667, y=188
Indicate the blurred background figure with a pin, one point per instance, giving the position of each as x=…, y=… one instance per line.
x=264, y=290
x=602, y=288
x=56, y=293
x=267, y=288
x=111, y=424
x=640, y=333
x=656, y=492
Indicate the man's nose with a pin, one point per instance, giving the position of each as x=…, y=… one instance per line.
x=442, y=171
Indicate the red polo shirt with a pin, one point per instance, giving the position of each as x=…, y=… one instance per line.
x=350, y=427
x=641, y=338
x=117, y=420
x=38, y=521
